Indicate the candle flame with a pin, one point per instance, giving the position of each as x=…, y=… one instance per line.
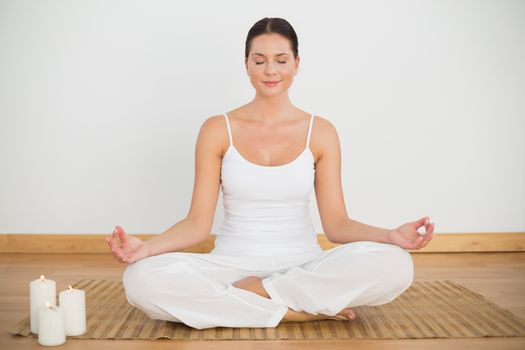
x=48, y=305
x=42, y=278
x=70, y=288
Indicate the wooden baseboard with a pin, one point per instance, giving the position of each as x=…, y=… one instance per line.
x=95, y=243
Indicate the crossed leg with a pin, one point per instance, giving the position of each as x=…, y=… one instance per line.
x=254, y=284
x=353, y=274
x=198, y=291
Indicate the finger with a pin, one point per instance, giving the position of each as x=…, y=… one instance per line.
x=415, y=243
x=114, y=249
x=112, y=244
x=121, y=234
x=113, y=255
x=425, y=244
x=430, y=231
x=430, y=228
x=428, y=225
x=419, y=223
x=424, y=221
x=428, y=237
x=424, y=240
x=119, y=255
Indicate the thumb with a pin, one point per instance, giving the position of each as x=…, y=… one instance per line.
x=121, y=233
x=421, y=222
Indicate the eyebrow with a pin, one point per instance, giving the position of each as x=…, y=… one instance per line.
x=260, y=54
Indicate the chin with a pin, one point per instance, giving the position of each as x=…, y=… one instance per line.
x=270, y=93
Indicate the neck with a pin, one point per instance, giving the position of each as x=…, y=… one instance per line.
x=271, y=109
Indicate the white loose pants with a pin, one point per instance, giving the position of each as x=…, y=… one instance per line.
x=197, y=289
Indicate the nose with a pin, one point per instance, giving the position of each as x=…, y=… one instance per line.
x=270, y=68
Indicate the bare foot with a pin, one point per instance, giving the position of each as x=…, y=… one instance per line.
x=347, y=314
x=254, y=284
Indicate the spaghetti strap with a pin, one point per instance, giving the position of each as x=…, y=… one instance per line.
x=229, y=129
x=309, y=131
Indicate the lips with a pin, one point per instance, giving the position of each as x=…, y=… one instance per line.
x=270, y=83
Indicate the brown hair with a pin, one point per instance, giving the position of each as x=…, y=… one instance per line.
x=270, y=25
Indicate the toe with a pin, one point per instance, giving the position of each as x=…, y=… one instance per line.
x=348, y=313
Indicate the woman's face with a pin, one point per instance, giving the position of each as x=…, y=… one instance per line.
x=271, y=60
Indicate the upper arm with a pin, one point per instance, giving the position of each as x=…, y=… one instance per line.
x=206, y=186
x=328, y=188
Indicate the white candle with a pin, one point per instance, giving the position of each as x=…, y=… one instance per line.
x=41, y=290
x=51, y=325
x=73, y=301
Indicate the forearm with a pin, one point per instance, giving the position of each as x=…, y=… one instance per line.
x=183, y=234
x=349, y=230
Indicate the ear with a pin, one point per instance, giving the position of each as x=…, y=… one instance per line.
x=297, y=61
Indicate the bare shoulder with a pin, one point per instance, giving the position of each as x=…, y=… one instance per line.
x=324, y=136
x=324, y=126
x=213, y=121
x=213, y=129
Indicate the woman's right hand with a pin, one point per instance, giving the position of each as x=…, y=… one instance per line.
x=130, y=248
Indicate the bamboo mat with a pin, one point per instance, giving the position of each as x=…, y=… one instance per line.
x=428, y=309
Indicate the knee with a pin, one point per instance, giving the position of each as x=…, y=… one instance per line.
x=396, y=269
x=141, y=282
x=401, y=267
x=146, y=280
x=134, y=283
x=395, y=264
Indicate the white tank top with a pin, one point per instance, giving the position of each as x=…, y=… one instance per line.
x=266, y=208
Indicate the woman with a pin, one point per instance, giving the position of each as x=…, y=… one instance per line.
x=267, y=156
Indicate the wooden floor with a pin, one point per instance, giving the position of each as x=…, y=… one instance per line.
x=500, y=277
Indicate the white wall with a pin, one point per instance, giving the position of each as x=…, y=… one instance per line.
x=101, y=103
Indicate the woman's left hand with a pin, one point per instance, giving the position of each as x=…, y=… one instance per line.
x=407, y=236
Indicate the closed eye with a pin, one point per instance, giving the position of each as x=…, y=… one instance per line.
x=263, y=62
